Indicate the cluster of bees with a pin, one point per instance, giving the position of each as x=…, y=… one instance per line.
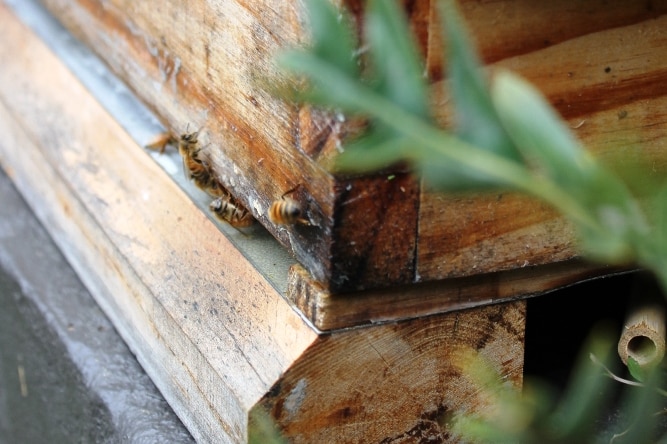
x=225, y=206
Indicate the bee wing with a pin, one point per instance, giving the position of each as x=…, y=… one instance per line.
x=186, y=168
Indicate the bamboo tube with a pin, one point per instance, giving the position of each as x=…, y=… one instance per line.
x=643, y=336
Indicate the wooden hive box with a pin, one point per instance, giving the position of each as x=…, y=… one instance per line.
x=380, y=252
x=206, y=65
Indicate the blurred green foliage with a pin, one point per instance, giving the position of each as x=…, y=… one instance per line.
x=262, y=429
x=505, y=135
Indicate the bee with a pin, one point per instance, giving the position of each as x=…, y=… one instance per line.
x=198, y=169
x=161, y=141
x=228, y=209
x=287, y=211
x=188, y=148
x=188, y=143
x=195, y=167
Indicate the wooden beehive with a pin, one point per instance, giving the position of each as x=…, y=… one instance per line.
x=380, y=249
x=206, y=64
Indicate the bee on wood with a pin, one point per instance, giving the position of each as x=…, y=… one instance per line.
x=287, y=211
x=198, y=169
x=225, y=207
x=188, y=147
x=161, y=141
x=195, y=167
x=228, y=209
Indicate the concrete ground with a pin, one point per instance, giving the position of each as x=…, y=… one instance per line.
x=66, y=376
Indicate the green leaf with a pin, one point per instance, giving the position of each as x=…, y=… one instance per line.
x=643, y=406
x=325, y=55
x=636, y=370
x=539, y=133
x=331, y=86
x=602, y=246
x=374, y=150
x=549, y=147
x=477, y=121
x=445, y=174
x=333, y=36
x=609, y=218
x=659, y=219
x=587, y=392
x=619, y=219
x=397, y=72
x=396, y=76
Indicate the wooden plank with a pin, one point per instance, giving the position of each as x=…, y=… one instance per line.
x=397, y=382
x=385, y=209
x=468, y=234
x=509, y=28
x=601, y=70
x=609, y=86
x=336, y=311
x=353, y=309
x=594, y=75
x=208, y=328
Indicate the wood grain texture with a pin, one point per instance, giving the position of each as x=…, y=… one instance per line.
x=398, y=382
x=468, y=234
x=510, y=28
x=385, y=210
x=598, y=73
x=600, y=70
x=208, y=328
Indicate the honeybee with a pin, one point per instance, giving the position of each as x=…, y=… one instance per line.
x=195, y=167
x=228, y=209
x=161, y=141
x=287, y=211
x=188, y=148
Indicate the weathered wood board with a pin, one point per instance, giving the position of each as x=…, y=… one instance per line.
x=348, y=378
x=334, y=311
x=206, y=64
x=216, y=337
x=511, y=28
